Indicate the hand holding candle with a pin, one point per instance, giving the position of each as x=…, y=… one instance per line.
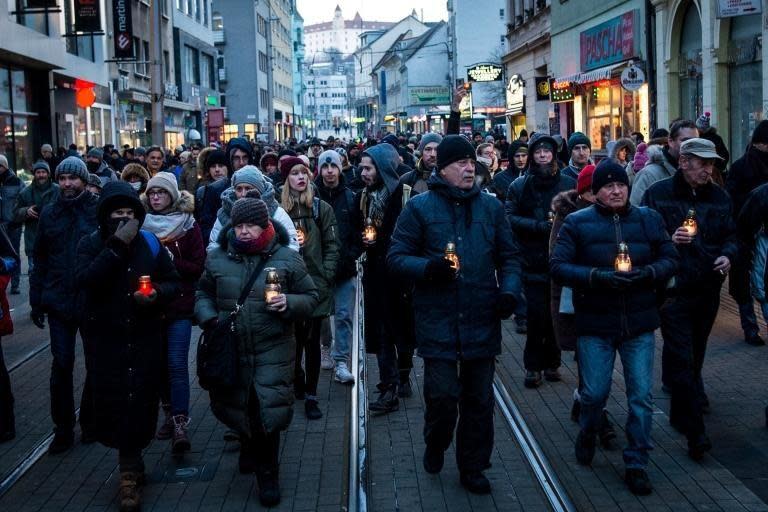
x=369, y=232
x=623, y=262
x=145, y=285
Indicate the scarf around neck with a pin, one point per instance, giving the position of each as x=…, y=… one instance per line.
x=169, y=227
x=256, y=245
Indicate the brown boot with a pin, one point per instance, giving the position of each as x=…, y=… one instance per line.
x=180, y=443
x=165, y=431
x=130, y=492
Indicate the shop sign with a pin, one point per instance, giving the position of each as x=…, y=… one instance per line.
x=561, y=91
x=211, y=100
x=632, y=78
x=485, y=72
x=423, y=96
x=613, y=41
x=87, y=16
x=171, y=91
x=731, y=8
x=515, y=95
x=542, y=88
x=123, y=27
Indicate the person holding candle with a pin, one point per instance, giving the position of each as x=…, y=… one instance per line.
x=458, y=310
x=169, y=217
x=321, y=254
x=260, y=406
x=123, y=329
x=693, y=301
x=615, y=311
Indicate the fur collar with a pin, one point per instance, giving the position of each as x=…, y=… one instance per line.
x=185, y=203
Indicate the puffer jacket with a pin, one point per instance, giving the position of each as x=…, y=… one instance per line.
x=457, y=320
x=266, y=345
x=587, y=242
x=10, y=188
x=348, y=222
x=320, y=250
x=749, y=222
x=659, y=167
x=33, y=194
x=716, y=229
x=759, y=266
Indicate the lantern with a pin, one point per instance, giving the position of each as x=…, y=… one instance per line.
x=369, y=232
x=690, y=222
x=623, y=262
x=300, y=234
x=451, y=256
x=272, y=287
x=145, y=285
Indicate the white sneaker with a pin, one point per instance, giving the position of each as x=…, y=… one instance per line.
x=326, y=361
x=343, y=374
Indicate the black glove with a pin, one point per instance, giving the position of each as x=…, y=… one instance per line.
x=642, y=275
x=506, y=305
x=38, y=318
x=145, y=300
x=611, y=279
x=439, y=270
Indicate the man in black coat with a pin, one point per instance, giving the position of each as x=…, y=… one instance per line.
x=615, y=310
x=53, y=290
x=689, y=313
x=10, y=188
x=529, y=200
x=517, y=165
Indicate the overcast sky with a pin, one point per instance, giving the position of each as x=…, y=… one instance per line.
x=316, y=11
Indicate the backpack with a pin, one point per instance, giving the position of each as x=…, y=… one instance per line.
x=152, y=242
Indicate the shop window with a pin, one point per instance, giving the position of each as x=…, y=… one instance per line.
x=691, y=87
x=745, y=78
x=612, y=112
x=250, y=131
x=230, y=132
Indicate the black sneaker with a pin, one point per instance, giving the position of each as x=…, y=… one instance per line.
x=386, y=403
x=475, y=482
x=606, y=432
x=62, y=441
x=638, y=482
x=433, y=460
x=575, y=411
x=532, y=379
x=405, y=390
x=585, y=448
x=698, y=447
x=269, y=487
x=552, y=375
x=311, y=409
x=755, y=340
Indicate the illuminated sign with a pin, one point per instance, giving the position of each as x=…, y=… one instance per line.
x=615, y=40
x=561, y=91
x=486, y=72
x=542, y=88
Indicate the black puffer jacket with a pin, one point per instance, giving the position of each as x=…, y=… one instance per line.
x=588, y=242
x=527, y=208
x=349, y=233
x=52, y=285
x=716, y=233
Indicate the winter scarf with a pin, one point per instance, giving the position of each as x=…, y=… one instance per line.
x=374, y=203
x=252, y=246
x=169, y=227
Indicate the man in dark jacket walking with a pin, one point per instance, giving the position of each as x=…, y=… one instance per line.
x=30, y=203
x=706, y=252
x=331, y=189
x=458, y=307
x=580, y=151
x=527, y=208
x=517, y=165
x=615, y=310
x=10, y=188
x=54, y=291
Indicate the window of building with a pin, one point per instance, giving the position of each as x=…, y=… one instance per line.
x=250, y=130
x=262, y=62
x=261, y=25
x=189, y=7
x=230, y=132
x=205, y=12
x=263, y=98
x=191, y=65
x=33, y=21
x=141, y=50
x=745, y=77
x=691, y=86
x=198, y=10
x=167, y=65
x=206, y=71
x=217, y=21
x=82, y=46
x=612, y=112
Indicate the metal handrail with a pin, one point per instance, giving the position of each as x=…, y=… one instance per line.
x=357, y=501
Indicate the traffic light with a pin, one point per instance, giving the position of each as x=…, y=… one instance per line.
x=85, y=96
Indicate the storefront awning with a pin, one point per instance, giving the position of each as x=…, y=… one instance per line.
x=595, y=75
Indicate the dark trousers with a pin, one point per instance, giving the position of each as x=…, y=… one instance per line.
x=261, y=446
x=130, y=459
x=63, y=339
x=307, y=343
x=6, y=397
x=395, y=361
x=686, y=321
x=15, y=236
x=541, y=350
x=462, y=390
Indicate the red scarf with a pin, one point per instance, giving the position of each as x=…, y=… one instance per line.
x=257, y=245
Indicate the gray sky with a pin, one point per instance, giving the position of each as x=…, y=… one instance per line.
x=317, y=11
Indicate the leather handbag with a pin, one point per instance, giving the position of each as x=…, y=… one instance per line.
x=217, y=347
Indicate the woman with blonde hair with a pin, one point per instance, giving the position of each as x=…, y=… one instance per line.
x=316, y=230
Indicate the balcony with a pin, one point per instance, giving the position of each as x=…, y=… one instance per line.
x=218, y=37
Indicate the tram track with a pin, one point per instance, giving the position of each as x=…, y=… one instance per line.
x=28, y=357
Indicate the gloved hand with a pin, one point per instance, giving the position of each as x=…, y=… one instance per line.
x=642, y=275
x=543, y=226
x=127, y=231
x=506, y=305
x=38, y=318
x=439, y=270
x=145, y=300
x=611, y=279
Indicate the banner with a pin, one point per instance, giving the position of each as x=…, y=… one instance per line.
x=435, y=95
x=123, y=28
x=612, y=41
x=731, y=8
x=87, y=16
x=484, y=72
x=542, y=88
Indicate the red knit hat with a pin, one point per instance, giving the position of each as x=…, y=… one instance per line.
x=286, y=164
x=584, y=183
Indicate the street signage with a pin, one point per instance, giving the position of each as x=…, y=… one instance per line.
x=123, y=28
x=542, y=88
x=731, y=8
x=432, y=95
x=561, y=91
x=485, y=72
x=87, y=16
x=610, y=42
x=515, y=95
x=632, y=78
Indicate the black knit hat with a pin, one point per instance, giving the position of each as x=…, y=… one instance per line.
x=539, y=140
x=250, y=211
x=217, y=156
x=452, y=149
x=608, y=171
x=760, y=134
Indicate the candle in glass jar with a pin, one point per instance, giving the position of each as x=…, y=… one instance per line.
x=369, y=232
x=451, y=256
x=272, y=287
x=623, y=261
x=690, y=222
x=145, y=285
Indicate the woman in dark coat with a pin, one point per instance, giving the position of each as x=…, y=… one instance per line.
x=122, y=329
x=169, y=217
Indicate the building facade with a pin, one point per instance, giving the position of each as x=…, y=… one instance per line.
x=280, y=49
x=326, y=101
x=297, y=64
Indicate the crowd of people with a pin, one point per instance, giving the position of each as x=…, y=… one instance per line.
x=133, y=247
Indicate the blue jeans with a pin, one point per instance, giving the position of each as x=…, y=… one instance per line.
x=179, y=335
x=596, y=359
x=344, y=298
x=63, y=340
x=748, y=319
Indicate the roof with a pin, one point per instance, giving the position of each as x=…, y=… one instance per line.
x=413, y=45
x=357, y=23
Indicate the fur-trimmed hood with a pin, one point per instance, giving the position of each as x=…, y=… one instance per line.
x=185, y=203
x=655, y=154
x=202, y=157
x=623, y=143
x=565, y=203
x=134, y=169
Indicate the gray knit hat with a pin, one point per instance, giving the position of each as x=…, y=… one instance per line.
x=41, y=164
x=73, y=165
x=46, y=147
x=329, y=157
x=96, y=152
x=249, y=210
x=166, y=181
x=249, y=174
x=427, y=138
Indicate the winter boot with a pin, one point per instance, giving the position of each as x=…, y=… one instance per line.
x=404, y=389
x=180, y=443
x=532, y=379
x=165, y=431
x=475, y=482
x=130, y=492
x=638, y=482
x=62, y=441
x=387, y=401
x=269, y=486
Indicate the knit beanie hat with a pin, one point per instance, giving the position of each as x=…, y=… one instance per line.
x=760, y=134
x=46, y=147
x=641, y=157
x=249, y=210
x=329, y=157
x=584, y=181
x=392, y=139
x=289, y=163
x=608, y=171
x=577, y=138
x=703, y=122
x=539, y=140
x=96, y=153
x=452, y=149
x=286, y=152
x=73, y=165
x=95, y=181
x=216, y=156
x=41, y=164
x=429, y=138
x=166, y=181
x=249, y=174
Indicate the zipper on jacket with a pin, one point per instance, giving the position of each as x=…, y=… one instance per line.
x=619, y=236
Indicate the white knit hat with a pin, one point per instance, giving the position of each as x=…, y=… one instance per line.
x=166, y=181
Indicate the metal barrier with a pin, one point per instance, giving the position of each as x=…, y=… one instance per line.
x=358, y=455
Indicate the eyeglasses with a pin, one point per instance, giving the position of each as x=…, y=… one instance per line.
x=157, y=193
